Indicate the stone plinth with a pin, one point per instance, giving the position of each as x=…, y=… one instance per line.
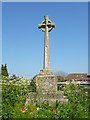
x=46, y=88
x=46, y=82
x=47, y=97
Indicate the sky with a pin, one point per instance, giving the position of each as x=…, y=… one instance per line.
x=23, y=42
x=45, y=0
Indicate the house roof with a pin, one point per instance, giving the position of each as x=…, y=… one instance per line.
x=77, y=76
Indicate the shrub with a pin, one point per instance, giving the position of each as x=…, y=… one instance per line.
x=15, y=92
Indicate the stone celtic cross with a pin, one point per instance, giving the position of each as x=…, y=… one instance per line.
x=46, y=81
x=46, y=26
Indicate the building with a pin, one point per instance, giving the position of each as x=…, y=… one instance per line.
x=82, y=78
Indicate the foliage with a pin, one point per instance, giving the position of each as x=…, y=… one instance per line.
x=33, y=86
x=34, y=111
x=14, y=94
x=60, y=78
x=78, y=101
x=60, y=73
x=4, y=71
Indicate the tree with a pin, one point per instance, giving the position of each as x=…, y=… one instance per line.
x=33, y=85
x=60, y=78
x=60, y=73
x=4, y=71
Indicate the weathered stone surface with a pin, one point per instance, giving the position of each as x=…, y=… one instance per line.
x=47, y=97
x=46, y=80
x=46, y=88
x=46, y=26
x=46, y=83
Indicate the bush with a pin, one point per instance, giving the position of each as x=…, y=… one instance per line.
x=15, y=92
x=60, y=78
x=78, y=106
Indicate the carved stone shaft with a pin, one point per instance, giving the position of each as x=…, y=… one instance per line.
x=46, y=26
x=46, y=47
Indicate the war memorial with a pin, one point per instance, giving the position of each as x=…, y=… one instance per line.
x=46, y=81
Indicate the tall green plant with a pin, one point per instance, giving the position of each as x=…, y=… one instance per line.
x=4, y=70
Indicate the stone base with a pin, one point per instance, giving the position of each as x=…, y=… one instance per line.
x=47, y=97
x=46, y=82
x=46, y=89
x=46, y=72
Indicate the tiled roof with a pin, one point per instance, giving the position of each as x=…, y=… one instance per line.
x=77, y=76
